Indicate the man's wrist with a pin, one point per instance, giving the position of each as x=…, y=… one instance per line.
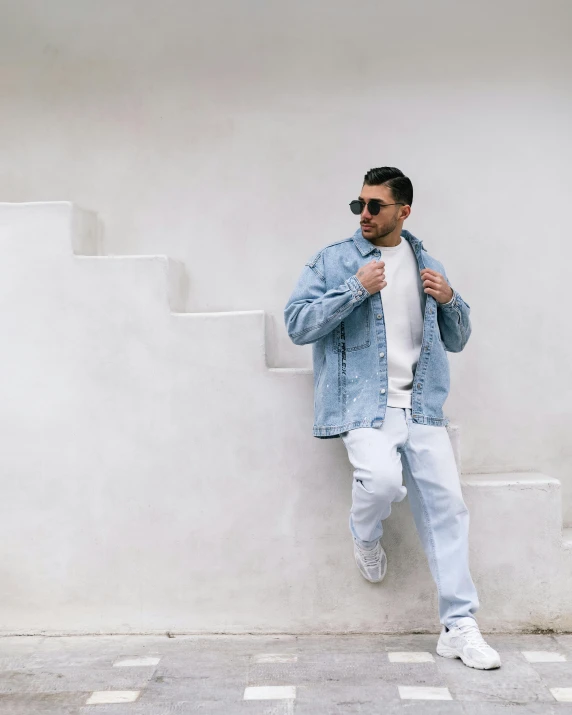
x=449, y=302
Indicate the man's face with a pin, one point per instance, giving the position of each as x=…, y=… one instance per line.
x=387, y=219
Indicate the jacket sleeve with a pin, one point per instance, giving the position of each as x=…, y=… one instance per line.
x=454, y=321
x=312, y=311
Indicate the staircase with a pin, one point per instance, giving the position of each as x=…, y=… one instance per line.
x=158, y=476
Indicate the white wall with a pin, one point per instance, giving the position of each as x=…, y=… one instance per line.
x=231, y=136
x=156, y=475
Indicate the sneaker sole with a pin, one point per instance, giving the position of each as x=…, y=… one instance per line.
x=448, y=652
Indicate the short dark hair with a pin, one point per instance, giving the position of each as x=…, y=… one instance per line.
x=400, y=185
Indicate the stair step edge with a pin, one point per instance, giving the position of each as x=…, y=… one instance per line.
x=509, y=479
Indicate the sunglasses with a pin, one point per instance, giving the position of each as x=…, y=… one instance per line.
x=373, y=206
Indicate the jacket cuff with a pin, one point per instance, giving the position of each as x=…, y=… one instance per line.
x=358, y=291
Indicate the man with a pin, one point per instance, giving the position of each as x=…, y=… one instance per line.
x=380, y=330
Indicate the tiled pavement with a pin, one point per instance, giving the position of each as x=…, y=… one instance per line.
x=278, y=675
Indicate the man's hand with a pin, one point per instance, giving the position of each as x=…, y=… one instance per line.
x=436, y=285
x=372, y=276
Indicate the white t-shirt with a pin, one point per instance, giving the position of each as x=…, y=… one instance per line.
x=402, y=300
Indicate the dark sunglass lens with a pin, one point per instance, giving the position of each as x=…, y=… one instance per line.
x=356, y=207
x=374, y=207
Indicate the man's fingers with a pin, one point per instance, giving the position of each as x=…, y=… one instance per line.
x=431, y=277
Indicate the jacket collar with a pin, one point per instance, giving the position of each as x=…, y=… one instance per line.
x=365, y=247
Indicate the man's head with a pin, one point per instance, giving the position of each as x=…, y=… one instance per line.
x=393, y=192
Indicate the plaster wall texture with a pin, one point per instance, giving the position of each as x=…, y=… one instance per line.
x=157, y=475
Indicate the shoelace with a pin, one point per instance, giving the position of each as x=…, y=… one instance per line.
x=473, y=635
x=370, y=556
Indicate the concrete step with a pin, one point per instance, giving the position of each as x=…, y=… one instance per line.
x=517, y=548
x=51, y=265
x=48, y=229
x=157, y=475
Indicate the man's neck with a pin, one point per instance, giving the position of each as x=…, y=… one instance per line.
x=388, y=241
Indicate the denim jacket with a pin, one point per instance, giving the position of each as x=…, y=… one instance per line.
x=331, y=309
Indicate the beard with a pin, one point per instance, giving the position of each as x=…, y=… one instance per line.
x=385, y=229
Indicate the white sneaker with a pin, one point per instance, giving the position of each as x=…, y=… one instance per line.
x=372, y=563
x=465, y=641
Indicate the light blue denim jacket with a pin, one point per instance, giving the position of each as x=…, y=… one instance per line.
x=331, y=309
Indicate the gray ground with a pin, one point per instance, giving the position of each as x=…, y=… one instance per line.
x=327, y=674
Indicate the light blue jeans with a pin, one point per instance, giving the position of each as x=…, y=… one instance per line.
x=423, y=456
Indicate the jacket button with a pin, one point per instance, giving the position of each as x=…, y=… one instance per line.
x=379, y=316
x=381, y=354
x=419, y=384
x=382, y=391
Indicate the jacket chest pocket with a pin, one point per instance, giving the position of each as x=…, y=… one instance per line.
x=353, y=333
